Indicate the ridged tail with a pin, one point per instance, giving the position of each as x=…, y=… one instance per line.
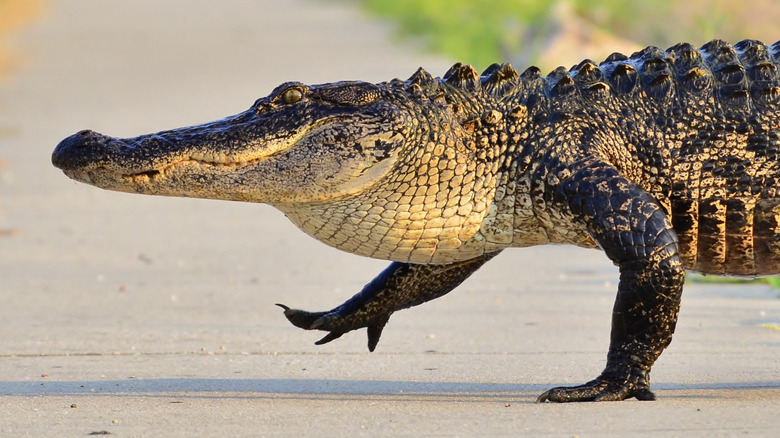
x=738, y=236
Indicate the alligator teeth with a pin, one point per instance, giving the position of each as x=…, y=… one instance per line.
x=206, y=157
x=213, y=159
x=79, y=176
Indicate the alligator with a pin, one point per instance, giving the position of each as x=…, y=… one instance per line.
x=667, y=160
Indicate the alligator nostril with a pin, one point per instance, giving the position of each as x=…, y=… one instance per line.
x=78, y=149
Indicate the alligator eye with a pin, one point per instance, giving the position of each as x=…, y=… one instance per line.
x=292, y=95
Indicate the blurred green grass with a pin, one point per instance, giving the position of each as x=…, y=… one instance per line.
x=698, y=278
x=481, y=33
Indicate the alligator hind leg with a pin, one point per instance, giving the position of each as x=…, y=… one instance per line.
x=636, y=235
x=399, y=286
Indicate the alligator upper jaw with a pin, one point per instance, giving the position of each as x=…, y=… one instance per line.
x=224, y=144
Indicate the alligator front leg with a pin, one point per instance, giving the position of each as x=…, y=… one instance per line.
x=399, y=286
x=636, y=235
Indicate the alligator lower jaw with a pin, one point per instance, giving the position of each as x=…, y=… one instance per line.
x=110, y=179
x=103, y=178
x=156, y=181
x=154, y=175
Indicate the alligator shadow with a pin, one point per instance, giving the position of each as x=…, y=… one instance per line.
x=326, y=389
x=320, y=389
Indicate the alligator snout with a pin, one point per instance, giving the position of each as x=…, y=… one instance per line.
x=80, y=150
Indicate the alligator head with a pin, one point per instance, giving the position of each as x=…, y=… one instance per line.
x=300, y=144
x=375, y=169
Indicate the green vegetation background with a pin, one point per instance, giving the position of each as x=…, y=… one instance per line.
x=488, y=31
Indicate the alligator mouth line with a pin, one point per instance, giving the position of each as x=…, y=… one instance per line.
x=227, y=162
x=168, y=168
x=149, y=174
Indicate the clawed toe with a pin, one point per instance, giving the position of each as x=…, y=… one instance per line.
x=301, y=318
x=597, y=390
x=335, y=324
x=329, y=337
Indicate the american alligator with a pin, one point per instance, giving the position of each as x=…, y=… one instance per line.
x=667, y=160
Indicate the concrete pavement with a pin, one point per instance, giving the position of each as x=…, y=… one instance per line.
x=143, y=316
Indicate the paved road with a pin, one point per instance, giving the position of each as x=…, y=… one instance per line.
x=144, y=316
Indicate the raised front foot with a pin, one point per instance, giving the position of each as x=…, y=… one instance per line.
x=600, y=389
x=336, y=322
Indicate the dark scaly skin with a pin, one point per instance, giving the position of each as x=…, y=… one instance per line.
x=632, y=229
x=667, y=160
x=400, y=286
